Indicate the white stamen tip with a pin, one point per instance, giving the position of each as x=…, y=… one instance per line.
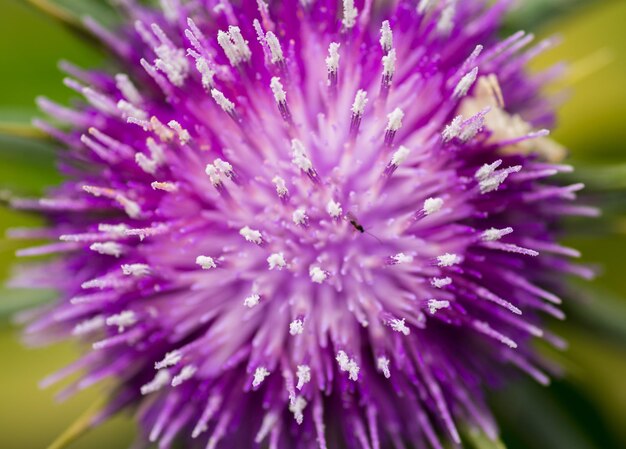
x=136, y=269
x=251, y=301
x=432, y=205
x=360, y=100
x=383, y=365
x=275, y=49
x=466, y=83
x=185, y=374
x=386, y=36
x=223, y=102
x=347, y=364
x=448, y=259
x=334, y=209
x=399, y=326
x=495, y=234
x=453, y=129
x=281, y=187
x=487, y=170
x=402, y=258
x=434, y=305
x=440, y=282
x=224, y=167
x=389, y=65
x=277, y=89
x=161, y=379
x=317, y=274
x=276, y=261
x=304, y=376
x=251, y=235
x=297, y=407
x=296, y=327
x=206, y=262
x=400, y=155
x=395, y=120
x=122, y=320
x=88, y=326
x=299, y=216
x=299, y=157
x=170, y=359
x=165, y=186
x=332, y=61
x=259, y=376
x=213, y=174
x=107, y=248
x=350, y=14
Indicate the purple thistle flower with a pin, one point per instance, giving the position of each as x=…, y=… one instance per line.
x=305, y=224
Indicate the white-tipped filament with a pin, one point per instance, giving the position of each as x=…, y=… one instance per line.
x=122, y=320
x=136, y=269
x=296, y=327
x=400, y=155
x=299, y=216
x=348, y=365
x=206, y=262
x=213, y=174
x=402, y=258
x=251, y=235
x=493, y=234
x=165, y=186
x=277, y=89
x=275, y=50
x=453, y=129
x=317, y=274
x=399, y=325
x=251, y=300
x=432, y=205
x=383, y=365
x=440, y=282
x=234, y=45
x=259, y=376
x=386, y=36
x=89, y=326
x=185, y=374
x=333, y=208
x=332, y=63
x=465, y=84
x=281, y=186
x=434, y=305
x=350, y=14
x=107, y=248
x=127, y=88
x=161, y=379
x=394, y=120
x=276, y=261
x=297, y=406
x=183, y=134
x=304, y=376
x=170, y=359
x=448, y=260
x=223, y=102
x=299, y=157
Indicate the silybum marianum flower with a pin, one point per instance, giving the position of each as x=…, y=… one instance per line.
x=304, y=224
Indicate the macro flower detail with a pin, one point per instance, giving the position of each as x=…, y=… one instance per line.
x=305, y=224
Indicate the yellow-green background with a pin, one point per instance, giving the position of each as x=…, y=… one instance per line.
x=587, y=410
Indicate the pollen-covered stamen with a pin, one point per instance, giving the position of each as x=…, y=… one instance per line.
x=122, y=320
x=276, y=52
x=297, y=407
x=280, y=96
x=473, y=125
x=304, y=376
x=350, y=13
x=382, y=363
x=317, y=274
x=207, y=73
x=448, y=260
x=299, y=216
x=358, y=107
x=173, y=63
x=399, y=325
x=348, y=365
x=223, y=102
x=165, y=186
x=493, y=234
x=386, y=37
x=296, y=327
x=136, y=269
x=398, y=158
x=445, y=24
x=432, y=205
x=128, y=89
x=394, y=123
x=206, y=262
x=234, y=45
x=251, y=300
x=128, y=110
x=281, y=187
x=492, y=182
x=88, y=326
x=401, y=258
x=465, y=84
x=440, y=282
x=259, y=376
x=301, y=160
x=333, y=208
x=185, y=374
x=183, y=134
x=161, y=379
x=163, y=132
x=434, y=305
x=389, y=69
x=453, y=129
x=251, y=235
x=487, y=170
x=131, y=208
x=225, y=169
x=332, y=63
x=170, y=359
x=107, y=248
x=214, y=175
x=276, y=261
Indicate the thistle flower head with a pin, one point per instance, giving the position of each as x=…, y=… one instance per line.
x=310, y=223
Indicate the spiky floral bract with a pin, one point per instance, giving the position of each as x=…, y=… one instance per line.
x=305, y=224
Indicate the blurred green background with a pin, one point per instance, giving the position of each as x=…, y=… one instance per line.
x=585, y=410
